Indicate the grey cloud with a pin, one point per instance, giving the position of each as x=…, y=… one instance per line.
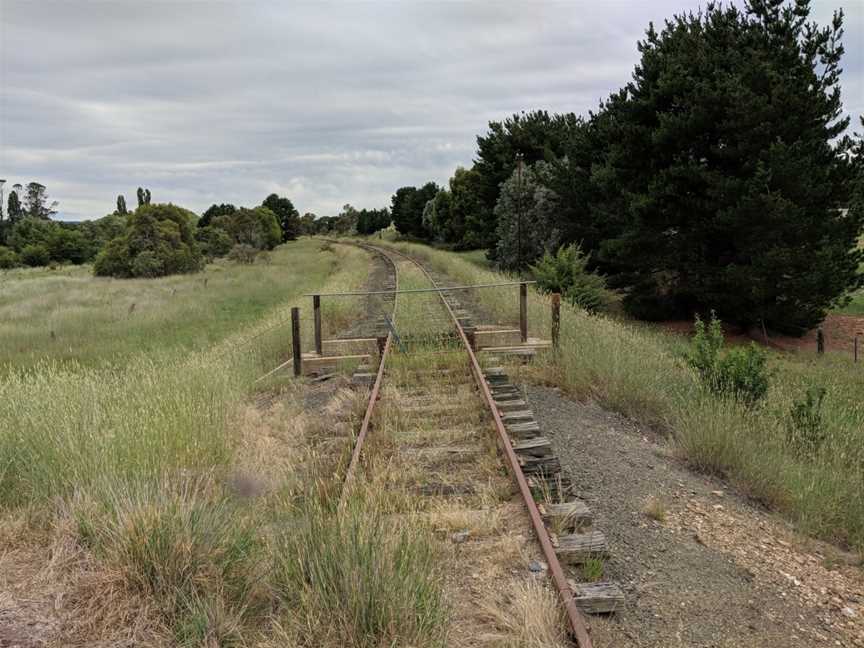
x=325, y=102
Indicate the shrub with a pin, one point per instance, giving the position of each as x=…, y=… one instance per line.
x=257, y=227
x=566, y=272
x=69, y=244
x=242, y=253
x=804, y=426
x=741, y=373
x=162, y=236
x=148, y=265
x=35, y=255
x=705, y=348
x=214, y=241
x=8, y=258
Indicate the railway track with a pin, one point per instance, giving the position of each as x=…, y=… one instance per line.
x=431, y=403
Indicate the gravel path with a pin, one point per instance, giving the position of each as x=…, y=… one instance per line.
x=715, y=571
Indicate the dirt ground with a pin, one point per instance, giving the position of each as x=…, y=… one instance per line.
x=714, y=570
x=839, y=332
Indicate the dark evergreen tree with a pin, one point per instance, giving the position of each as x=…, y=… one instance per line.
x=146, y=196
x=213, y=211
x=407, y=206
x=121, y=206
x=725, y=170
x=536, y=136
x=140, y=194
x=14, y=210
x=286, y=214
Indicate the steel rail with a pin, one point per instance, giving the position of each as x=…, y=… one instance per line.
x=578, y=626
x=376, y=389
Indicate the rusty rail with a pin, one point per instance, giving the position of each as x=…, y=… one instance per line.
x=376, y=389
x=578, y=629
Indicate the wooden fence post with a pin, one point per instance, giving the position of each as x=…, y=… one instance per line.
x=316, y=313
x=556, y=319
x=295, y=340
x=523, y=312
x=820, y=341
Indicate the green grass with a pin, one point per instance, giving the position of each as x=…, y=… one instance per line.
x=66, y=314
x=854, y=307
x=643, y=375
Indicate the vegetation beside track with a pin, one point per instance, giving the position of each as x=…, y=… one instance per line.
x=148, y=493
x=643, y=374
x=67, y=315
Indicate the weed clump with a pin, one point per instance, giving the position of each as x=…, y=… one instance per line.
x=804, y=427
x=566, y=272
x=739, y=373
x=358, y=579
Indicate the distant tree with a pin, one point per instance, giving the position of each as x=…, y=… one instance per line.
x=307, y=224
x=35, y=255
x=527, y=213
x=287, y=216
x=728, y=171
x=8, y=258
x=213, y=211
x=140, y=194
x=370, y=221
x=468, y=211
x=437, y=217
x=158, y=240
x=30, y=231
x=14, y=210
x=214, y=241
x=257, y=228
x=121, y=205
x=69, y=244
x=146, y=196
x=36, y=203
x=536, y=135
x=407, y=206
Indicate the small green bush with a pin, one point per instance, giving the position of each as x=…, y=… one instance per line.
x=8, y=258
x=35, y=255
x=741, y=373
x=566, y=272
x=804, y=426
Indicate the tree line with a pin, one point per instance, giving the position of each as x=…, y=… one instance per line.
x=720, y=177
x=148, y=241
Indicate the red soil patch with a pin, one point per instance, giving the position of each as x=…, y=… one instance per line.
x=839, y=331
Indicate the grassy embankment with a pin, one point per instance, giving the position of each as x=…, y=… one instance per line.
x=643, y=375
x=153, y=503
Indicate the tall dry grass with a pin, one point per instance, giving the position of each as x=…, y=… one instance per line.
x=133, y=462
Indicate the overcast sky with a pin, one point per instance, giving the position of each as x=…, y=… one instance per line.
x=326, y=103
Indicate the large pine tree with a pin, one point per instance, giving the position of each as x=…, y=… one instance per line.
x=726, y=172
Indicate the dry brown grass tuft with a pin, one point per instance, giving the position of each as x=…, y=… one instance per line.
x=655, y=508
x=527, y=615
